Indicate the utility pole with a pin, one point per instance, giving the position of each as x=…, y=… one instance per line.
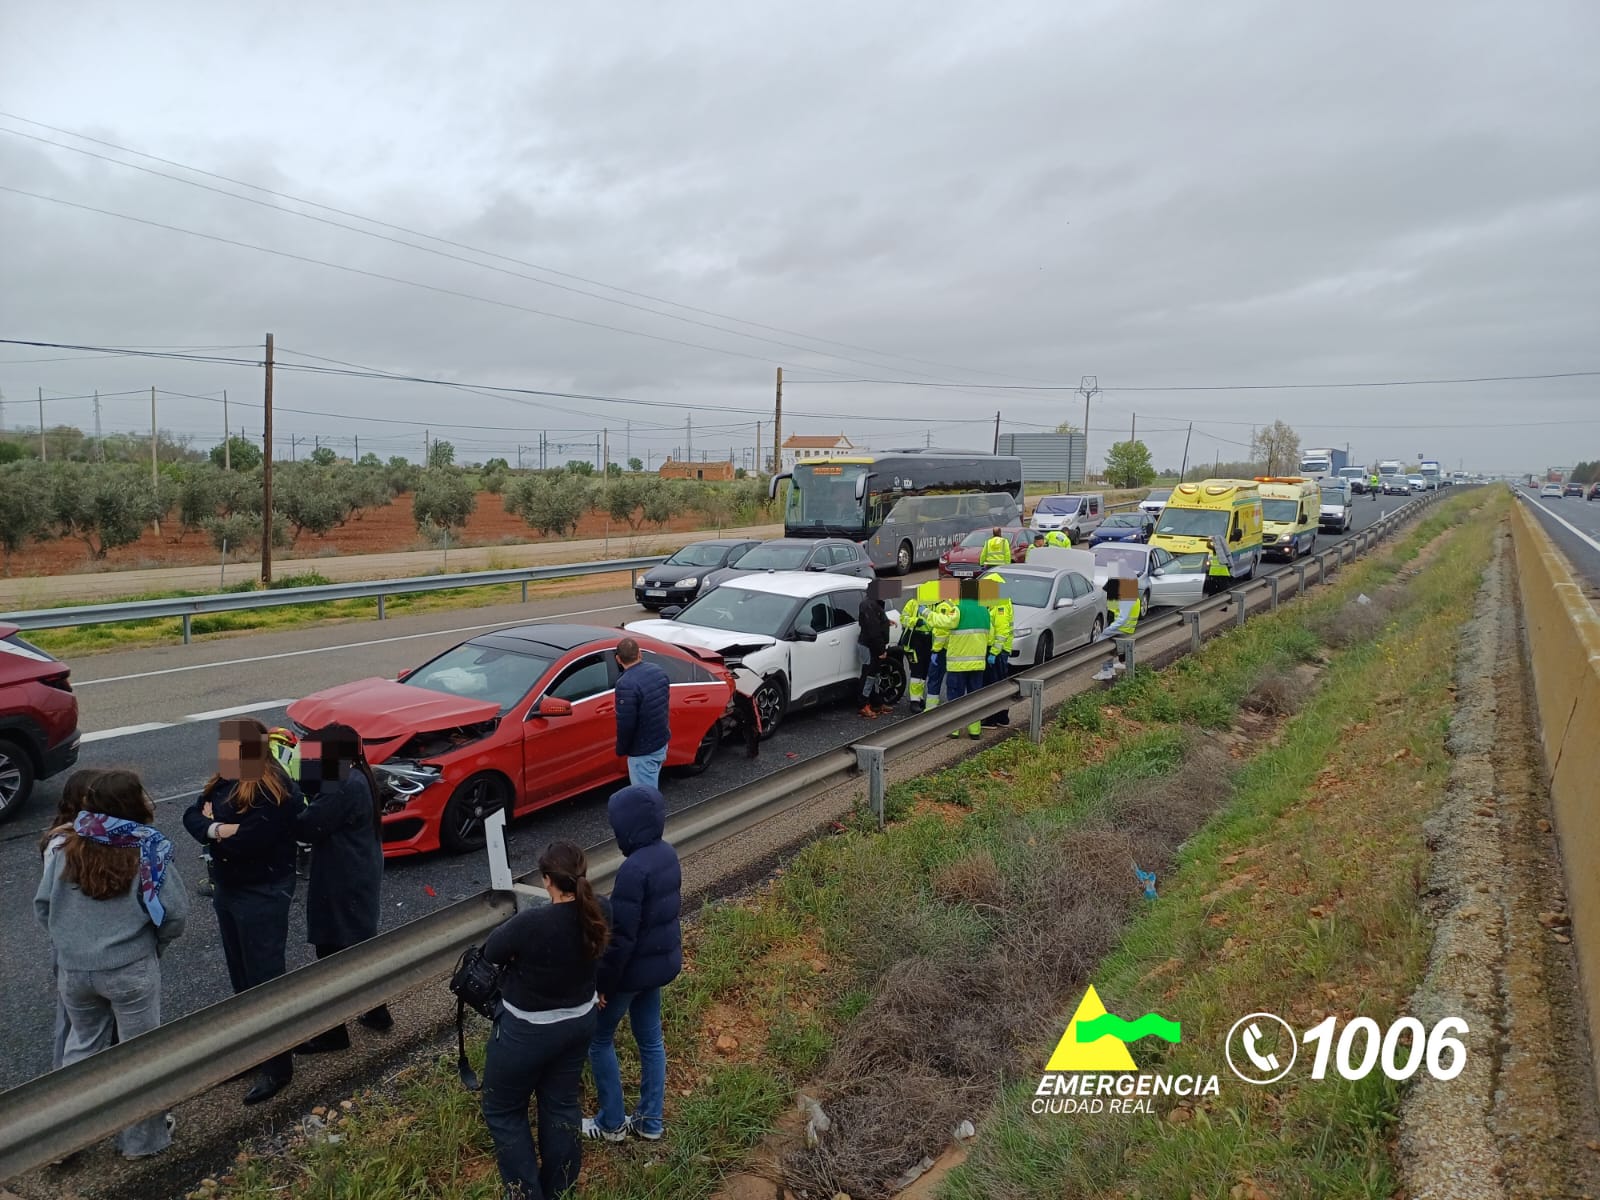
x=627, y=442
x=1184, y=470
x=44, y=453
x=1089, y=387
x=427, y=450
x=758, y=448
x=777, y=427
x=1133, y=428
x=227, y=435
x=266, y=472
x=688, y=438
x=294, y=441
x=99, y=447
x=541, y=450
x=597, y=461
x=996, y=432
x=155, y=470
x=605, y=455
x=358, y=448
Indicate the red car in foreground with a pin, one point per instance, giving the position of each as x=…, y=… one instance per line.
x=961, y=560
x=514, y=719
x=38, y=719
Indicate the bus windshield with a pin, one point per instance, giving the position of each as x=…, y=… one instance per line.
x=822, y=497
x=1193, y=522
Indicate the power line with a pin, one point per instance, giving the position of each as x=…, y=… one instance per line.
x=1219, y=387
x=463, y=246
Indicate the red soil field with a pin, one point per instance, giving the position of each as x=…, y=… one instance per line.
x=376, y=531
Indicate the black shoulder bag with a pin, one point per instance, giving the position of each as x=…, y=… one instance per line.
x=476, y=984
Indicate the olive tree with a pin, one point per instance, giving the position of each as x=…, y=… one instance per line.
x=104, y=505
x=552, y=502
x=443, y=500
x=24, y=506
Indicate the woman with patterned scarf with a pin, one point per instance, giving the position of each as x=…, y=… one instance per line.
x=112, y=901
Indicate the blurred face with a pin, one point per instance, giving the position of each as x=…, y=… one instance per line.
x=241, y=752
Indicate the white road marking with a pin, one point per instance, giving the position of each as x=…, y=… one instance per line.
x=123, y=731
x=1570, y=525
x=237, y=710
x=407, y=637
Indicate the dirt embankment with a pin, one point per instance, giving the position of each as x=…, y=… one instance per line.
x=382, y=530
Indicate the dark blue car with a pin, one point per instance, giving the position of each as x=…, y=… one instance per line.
x=1124, y=527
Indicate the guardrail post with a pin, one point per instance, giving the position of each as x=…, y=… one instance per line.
x=633, y=577
x=870, y=760
x=1126, y=648
x=186, y=619
x=1194, y=631
x=1272, y=582
x=1300, y=573
x=524, y=591
x=380, y=606
x=1239, y=616
x=1033, y=691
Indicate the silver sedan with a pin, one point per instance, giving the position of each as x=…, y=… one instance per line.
x=1054, y=610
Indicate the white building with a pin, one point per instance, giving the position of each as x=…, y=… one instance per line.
x=805, y=445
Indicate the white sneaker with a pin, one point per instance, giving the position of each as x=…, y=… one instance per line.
x=591, y=1129
x=1119, y=668
x=1104, y=673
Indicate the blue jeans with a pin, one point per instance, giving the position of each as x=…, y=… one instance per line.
x=935, y=675
x=643, y=1010
x=644, y=770
x=527, y=1061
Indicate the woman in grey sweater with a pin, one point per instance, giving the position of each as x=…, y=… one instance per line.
x=112, y=900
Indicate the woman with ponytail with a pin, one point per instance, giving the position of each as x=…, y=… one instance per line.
x=541, y=1036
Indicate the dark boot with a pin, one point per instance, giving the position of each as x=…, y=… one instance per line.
x=267, y=1085
x=326, y=1043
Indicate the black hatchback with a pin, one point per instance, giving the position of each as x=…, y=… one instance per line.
x=680, y=578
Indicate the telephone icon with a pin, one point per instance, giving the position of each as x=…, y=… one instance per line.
x=1263, y=1062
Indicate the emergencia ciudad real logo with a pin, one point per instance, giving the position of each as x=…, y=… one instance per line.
x=1093, y=1071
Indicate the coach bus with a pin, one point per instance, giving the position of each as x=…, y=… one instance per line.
x=904, y=507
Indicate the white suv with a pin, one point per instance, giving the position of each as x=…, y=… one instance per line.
x=788, y=636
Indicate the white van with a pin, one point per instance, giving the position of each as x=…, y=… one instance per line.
x=1079, y=515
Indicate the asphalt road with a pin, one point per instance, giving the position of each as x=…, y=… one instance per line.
x=155, y=710
x=1575, y=526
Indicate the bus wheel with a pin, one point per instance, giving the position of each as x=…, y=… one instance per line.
x=902, y=559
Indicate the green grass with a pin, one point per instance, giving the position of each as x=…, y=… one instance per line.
x=1331, y=821
x=794, y=966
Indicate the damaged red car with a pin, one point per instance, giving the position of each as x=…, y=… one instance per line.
x=514, y=719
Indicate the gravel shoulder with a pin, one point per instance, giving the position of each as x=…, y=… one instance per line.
x=1521, y=1120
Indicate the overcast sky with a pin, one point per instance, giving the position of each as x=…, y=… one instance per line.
x=1158, y=194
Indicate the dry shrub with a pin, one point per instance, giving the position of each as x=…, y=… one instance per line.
x=949, y=1021
x=1276, y=694
x=974, y=879
x=1354, y=623
x=1160, y=814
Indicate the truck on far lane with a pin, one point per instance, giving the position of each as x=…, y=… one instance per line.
x=1323, y=462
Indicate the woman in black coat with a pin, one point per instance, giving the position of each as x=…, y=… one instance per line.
x=343, y=821
x=872, y=647
x=245, y=816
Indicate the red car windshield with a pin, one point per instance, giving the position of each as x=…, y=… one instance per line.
x=482, y=673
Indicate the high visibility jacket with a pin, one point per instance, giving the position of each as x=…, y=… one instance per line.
x=967, y=631
x=1058, y=537
x=914, y=615
x=1127, y=617
x=1221, y=565
x=996, y=553
x=285, y=748
x=1374, y=481
x=1002, y=618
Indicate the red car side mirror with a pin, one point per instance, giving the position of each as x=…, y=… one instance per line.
x=551, y=706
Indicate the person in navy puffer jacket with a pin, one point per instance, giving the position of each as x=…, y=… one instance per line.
x=644, y=955
x=644, y=701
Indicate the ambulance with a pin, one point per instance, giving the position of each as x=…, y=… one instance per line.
x=1213, y=521
x=1291, y=511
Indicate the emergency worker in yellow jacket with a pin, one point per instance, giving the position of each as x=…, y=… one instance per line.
x=968, y=630
x=996, y=551
x=1002, y=621
x=916, y=641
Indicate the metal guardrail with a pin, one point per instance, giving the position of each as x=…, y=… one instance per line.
x=66, y=1110
x=189, y=607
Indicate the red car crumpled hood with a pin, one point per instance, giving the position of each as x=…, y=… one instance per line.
x=383, y=709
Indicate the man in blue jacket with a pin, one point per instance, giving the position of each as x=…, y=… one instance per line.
x=645, y=954
x=644, y=696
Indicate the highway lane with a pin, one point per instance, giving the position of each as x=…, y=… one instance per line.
x=260, y=674
x=1575, y=526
